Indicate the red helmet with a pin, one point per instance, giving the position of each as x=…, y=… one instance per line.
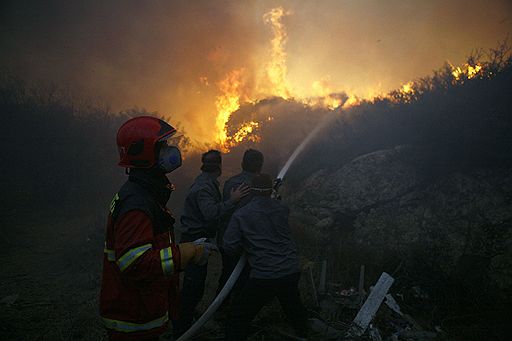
x=137, y=139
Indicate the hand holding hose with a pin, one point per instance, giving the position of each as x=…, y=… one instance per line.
x=203, y=250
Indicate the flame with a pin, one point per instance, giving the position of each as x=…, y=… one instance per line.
x=246, y=132
x=473, y=70
x=326, y=95
x=407, y=88
x=276, y=68
x=350, y=102
x=227, y=103
x=467, y=71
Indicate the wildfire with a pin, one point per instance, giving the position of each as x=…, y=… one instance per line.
x=276, y=68
x=271, y=81
x=227, y=103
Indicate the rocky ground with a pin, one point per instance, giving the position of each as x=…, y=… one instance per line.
x=449, y=234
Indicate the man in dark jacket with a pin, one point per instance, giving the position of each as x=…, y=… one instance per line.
x=252, y=163
x=200, y=219
x=260, y=229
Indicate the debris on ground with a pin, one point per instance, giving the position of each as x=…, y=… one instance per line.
x=352, y=314
x=9, y=300
x=341, y=314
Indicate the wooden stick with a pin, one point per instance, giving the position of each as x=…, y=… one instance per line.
x=362, y=292
x=315, y=296
x=323, y=277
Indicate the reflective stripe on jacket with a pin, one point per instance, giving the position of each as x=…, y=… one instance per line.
x=140, y=265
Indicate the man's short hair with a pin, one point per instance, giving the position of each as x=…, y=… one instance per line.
x=262, y=185
x=252, y=161
x=212, y=161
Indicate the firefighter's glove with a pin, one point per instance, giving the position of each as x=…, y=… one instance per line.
x=203, y=250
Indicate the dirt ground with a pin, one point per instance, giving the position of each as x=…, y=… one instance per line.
x=51, y=275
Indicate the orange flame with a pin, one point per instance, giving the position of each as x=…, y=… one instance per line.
x=245, y=132
x=227, y=103
x=407, y=88
x=276, y=69
x=466, y=71
x=351, y=101
x=326, y=96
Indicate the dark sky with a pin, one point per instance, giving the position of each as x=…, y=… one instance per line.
x=170, y=55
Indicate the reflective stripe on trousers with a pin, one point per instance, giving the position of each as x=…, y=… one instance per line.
x=126, y=327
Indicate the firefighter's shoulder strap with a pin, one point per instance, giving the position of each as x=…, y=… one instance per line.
x=132, y=197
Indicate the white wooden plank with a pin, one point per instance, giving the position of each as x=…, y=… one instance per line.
x=371, y=305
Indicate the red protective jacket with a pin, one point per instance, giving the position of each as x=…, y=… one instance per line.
x=140, y=266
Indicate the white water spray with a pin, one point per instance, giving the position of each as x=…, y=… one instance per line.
x=303, y=145
x=241, y=263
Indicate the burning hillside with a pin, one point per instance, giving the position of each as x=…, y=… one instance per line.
x=243, y=112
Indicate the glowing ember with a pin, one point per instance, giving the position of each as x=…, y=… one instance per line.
x=204, y=80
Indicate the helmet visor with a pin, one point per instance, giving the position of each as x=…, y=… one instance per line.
x=172, y=140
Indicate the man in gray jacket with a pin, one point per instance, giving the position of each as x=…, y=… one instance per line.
x=200, y=219
x=260, y=229
x=252, y=163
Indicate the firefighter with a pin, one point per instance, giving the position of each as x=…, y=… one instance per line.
x=260, y=229
x=252, y=162
x=141, y=258
x=202, y=212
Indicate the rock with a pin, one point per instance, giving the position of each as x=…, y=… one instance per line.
x=374, y=178
x=325, y=223
x=461, y=222
x=367, y=180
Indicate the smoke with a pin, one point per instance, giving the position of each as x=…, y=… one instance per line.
x=170, y=56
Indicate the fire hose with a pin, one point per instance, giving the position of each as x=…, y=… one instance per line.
x=243, y=259
x=217, y=301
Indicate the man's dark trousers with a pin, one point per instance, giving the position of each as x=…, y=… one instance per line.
x=228, y=265
x=255, y=294
x=191, y=293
